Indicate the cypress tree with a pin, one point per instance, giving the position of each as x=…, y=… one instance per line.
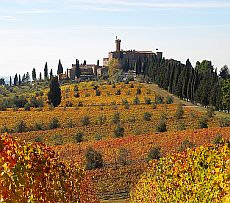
x=46, y=72
x=23, y=78
x=40, y=76
x=60, y=68
x=51, y=74
x=34, y=76
x=27, y=77
x=54, y=95
x=19, y=80
x=16, y=79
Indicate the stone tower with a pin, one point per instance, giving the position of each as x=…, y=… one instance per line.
x=118, y=44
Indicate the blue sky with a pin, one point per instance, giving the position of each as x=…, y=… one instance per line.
x=35, y=31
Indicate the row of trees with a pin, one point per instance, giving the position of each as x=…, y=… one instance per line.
x=20, y=80
x=200, y=85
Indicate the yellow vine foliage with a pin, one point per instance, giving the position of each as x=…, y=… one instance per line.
x=197, y=175
x=34, y=173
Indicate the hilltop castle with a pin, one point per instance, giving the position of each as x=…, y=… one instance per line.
x=129, y=60
x=129, y=57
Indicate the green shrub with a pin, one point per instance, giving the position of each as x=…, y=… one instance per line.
x=98, y=92
x=93, y=159
x=20, y=127
x=203, y=122
x=125, y=103
x=138, y=91
x=169, y=100
x=79, y=137
x=159, y=99
x=148, y=100
x=54, y=123
x=85, y=120
x=119, y=131
x=27, y=107
x=136, y=101
x=101, y=120
x=224, y=122
x=36, y=103
x=38, y=126
x=116, y=118
x=179, y=112
x=163, y=116
x=2, y=106
x=210, y=112
x=20, y=102
x=38, y=139
x=154, y=153
x=186, y=144
x=161, y=126
x=98, y=136
x=5, y=129
x=181, y=126
x=147, y=116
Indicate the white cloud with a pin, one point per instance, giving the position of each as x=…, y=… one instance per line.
x=39, y=11
x=156, y=4
x=7, y=18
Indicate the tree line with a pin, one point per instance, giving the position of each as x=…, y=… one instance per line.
x=200, y=84
x=18, y=79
